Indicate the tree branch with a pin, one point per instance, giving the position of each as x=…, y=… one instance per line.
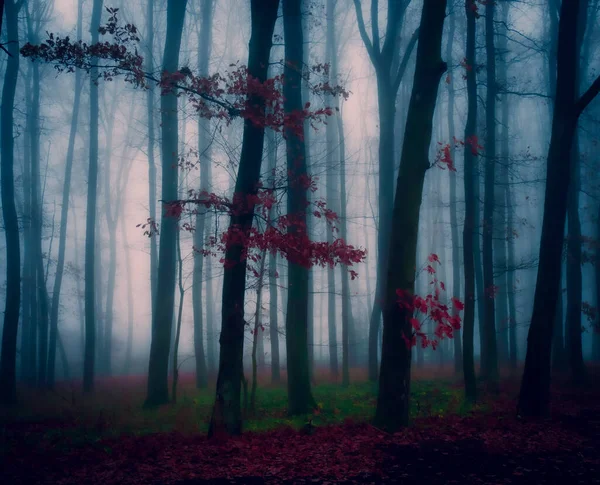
x=363, y=31
x=587, y=97
x=375, y=25
x=402, y=68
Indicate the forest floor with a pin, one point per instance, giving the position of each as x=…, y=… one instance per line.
x=65, y=437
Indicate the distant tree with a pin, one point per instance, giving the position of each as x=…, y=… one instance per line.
x=162, y=315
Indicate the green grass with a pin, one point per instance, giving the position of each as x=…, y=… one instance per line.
x=110, y=413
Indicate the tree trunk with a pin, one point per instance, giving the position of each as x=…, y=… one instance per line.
x=534, y=398
x=469, y=233
x=300, y=399
x=150, y=99
x=162, y=316
x=331, y=189
x=179, y=317
x=392, y=411
x=596, y=331
x=226, y=415
x=64, y=213
x=458, y=357
x=204, y=152
x=273, y=326
x=8, y=359
x=90, y=225
x=258, y=329
x=574, y=276
x=489, y=353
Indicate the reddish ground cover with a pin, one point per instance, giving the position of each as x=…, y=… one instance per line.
x=492, y=447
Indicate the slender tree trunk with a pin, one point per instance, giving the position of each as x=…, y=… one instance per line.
x=258, y=329
x=273, y=325
x=130, y=299
x=596, y=332
x=204, y=152
x=90, y=226
x=226, y=415
x=8, y=360
x=574, y=276
x=150, y=99
x=179, y=318
x=300, y=399
x=162, y=316
x=469, y=234
x=392, y=411
x=534, y=398
x=489, y=353
x=458, y=357
x=64, y=213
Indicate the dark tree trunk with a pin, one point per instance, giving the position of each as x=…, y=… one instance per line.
x=596, y=331
x=534, y=398
x=469, y=233
x=300, y=399
x=90, y=224
x=394, y=381
x=8, y=360
x=162, y=316
x=489, y=353
x=226, y=415
x=574, y=276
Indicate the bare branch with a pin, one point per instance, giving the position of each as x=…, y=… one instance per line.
x=402, y=68
x=587, y=97
x=363, y=31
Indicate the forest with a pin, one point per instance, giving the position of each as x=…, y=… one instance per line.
x=300, y=241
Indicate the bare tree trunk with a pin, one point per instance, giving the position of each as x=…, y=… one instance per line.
x=258, y=329
x=150, y=99
x=392, y=411
x=204, y=153
x=489, y=353
x=469, y=233
x=179, y=317
x=226, y=415
x=162, y=316
x=458, y=358
x=534, y=398
x=300, y=399
x=8, y=359
x=64, y=213
x=90, y=229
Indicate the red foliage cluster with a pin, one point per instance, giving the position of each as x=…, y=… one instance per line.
x=444, y=156
x=432, y=309
x=234, y=93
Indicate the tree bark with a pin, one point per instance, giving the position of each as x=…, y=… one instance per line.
x=204, y=152
x=469, y=233
x=8, y=359
x=392, y=411
x=534, y=398
x=162, y=316
x=226, y=415
x=300, y=399
x=150, y=100
x=64, y=213
x=489, y=353
x=90, y=225
x=458, y=357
